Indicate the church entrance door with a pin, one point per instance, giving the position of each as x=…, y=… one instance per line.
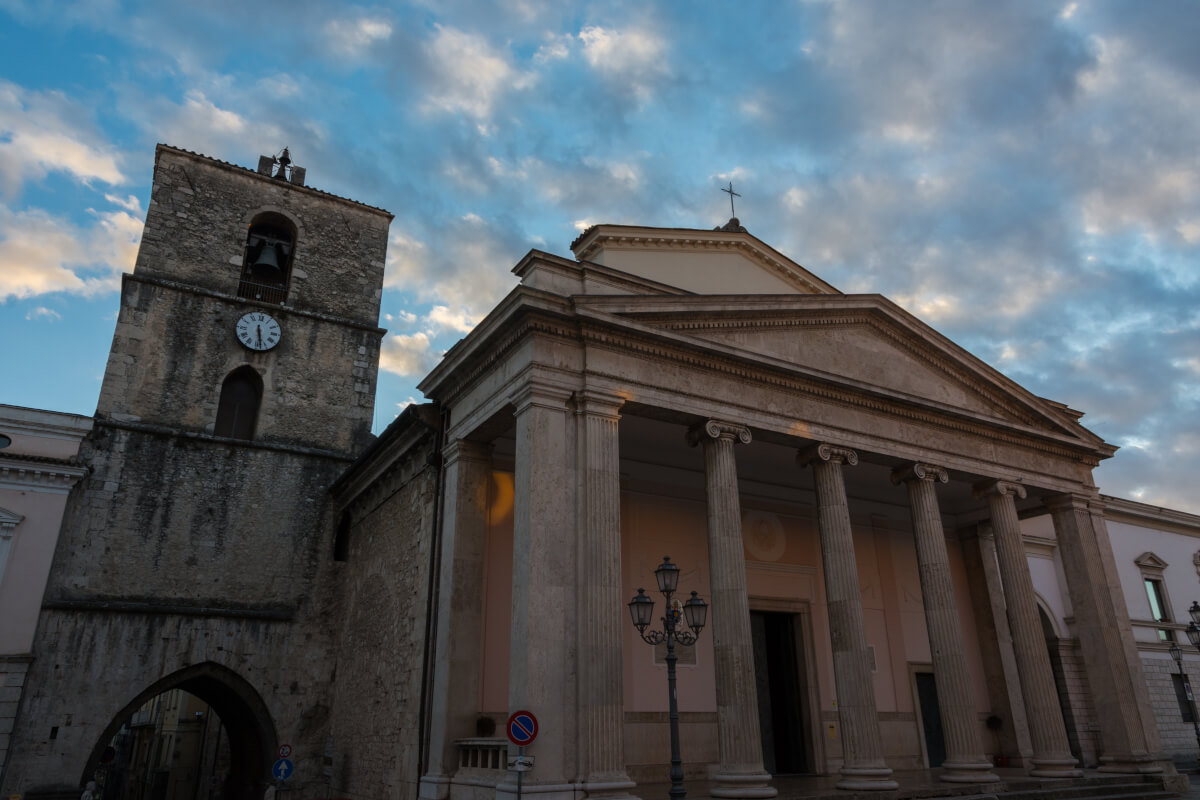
x=202, y=733
x=931, y=718
x=778, y=671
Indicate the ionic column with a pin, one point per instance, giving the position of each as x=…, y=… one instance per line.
x=1047, y=733
x=965, y=762
x=459, y=611
x=1128, y=743
x=740, y=772
x=863, y=766
x=601, y=606
x=542, y=672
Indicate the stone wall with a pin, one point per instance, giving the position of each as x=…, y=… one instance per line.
x=381, y=610
x=1178, y=737
x=171, y=519
x=198, y=218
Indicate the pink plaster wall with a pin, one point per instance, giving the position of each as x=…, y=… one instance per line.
x=654, y=526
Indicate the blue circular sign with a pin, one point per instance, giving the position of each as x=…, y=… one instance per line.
x=522, y=728
x=283, y=769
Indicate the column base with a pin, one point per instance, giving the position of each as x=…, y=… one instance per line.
x=612, y=790
x=1130, y=764
x=545, y=791
x=433, y=787
x=869, y=779
x=1055, y=768
x=967, y=772
x=745, y=785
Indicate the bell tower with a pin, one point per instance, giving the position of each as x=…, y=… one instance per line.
x=198, y=552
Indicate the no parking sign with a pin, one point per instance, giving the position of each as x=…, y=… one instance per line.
x=522, y=728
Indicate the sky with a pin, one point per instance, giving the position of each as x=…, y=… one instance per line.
x=1023, y=176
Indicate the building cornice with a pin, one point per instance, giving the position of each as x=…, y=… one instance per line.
x=40, y=474
x=274, y=308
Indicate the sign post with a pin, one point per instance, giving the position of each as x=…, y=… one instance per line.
x=522, y=729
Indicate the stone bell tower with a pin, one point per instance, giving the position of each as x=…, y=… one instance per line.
x=197, y=554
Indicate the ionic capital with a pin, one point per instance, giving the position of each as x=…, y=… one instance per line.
x=919, y=472
x=999, y=489
x=826, y=452
x=715, y=429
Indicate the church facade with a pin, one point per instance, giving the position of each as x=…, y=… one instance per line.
x=868, y=510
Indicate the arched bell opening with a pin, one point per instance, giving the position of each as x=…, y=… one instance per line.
x=203, y=733
x=267, y=258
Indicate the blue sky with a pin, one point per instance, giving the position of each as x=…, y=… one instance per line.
x=1025, y=177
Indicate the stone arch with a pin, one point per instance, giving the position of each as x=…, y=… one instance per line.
x=1050, y=624
x=247, y=721
x=239, y=403
x=272, y=237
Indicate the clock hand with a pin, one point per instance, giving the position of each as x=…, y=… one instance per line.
x=259, y=327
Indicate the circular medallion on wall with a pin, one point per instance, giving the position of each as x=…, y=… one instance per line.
x=763, y=535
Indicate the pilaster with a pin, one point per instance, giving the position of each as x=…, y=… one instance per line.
x=740, y=772
x=965, y=762
x=1047, y=734
x=1127, y=743
x=863, y=766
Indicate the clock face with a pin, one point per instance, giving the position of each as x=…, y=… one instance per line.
x=258, y=330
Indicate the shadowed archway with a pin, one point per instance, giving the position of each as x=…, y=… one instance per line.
x=246, y=719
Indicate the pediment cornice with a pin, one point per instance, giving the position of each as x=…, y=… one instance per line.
x=683, y=240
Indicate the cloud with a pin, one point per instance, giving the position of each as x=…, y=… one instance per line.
x=41, y=312
x=41, y=132
x=349, y=38
x=40, y=253
x=130, y=203
x=468, y=75
x=443, y=318
x=634, y=57
x=408, y=354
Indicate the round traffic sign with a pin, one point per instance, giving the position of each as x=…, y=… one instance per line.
x=285, y=750
x=522, y=728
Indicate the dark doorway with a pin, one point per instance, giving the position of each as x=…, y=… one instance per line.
x=202, y=733
x=931, y=718
x=778, y=673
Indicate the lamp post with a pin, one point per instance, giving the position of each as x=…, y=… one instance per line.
x=695, y=610
x=1193, y=634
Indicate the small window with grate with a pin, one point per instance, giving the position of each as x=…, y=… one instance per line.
x=267, y=261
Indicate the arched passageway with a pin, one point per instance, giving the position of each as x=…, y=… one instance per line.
x=230, y=726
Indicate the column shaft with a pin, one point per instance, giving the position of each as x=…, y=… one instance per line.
x=1128, y=744
x=601, y=606
x=1047, y=734
x=542, y=640
x=459, y=602
x=965, y=762
x=863, y=766
x=740, y=772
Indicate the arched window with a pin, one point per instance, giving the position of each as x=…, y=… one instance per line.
x=238, y=410
x=267, y=262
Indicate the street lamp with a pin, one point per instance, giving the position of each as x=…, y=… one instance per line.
x=694, y=611
x=1193, y=634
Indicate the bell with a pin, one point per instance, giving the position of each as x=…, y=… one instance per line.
x=266, y=261
x=284, y=160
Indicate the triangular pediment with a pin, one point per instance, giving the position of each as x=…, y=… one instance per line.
x=9, y=519
x=862, y=343
x=1150, y=561
x=720, y=261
